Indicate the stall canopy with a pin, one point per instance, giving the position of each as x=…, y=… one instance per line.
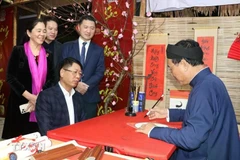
x=173, y=5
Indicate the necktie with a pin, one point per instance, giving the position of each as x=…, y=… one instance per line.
x=82, y=56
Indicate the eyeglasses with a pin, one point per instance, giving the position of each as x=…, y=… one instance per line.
x=74, y=73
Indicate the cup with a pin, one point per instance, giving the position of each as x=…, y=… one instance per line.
x=135, y=105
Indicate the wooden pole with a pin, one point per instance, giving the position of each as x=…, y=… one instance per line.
x=143, y=8
x=15, y=26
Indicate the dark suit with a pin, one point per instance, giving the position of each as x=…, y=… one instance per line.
x=93, y=68
x=55, y=50
x=52, y=111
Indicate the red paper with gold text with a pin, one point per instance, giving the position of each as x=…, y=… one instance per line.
x=111, y=14
x=6, y=45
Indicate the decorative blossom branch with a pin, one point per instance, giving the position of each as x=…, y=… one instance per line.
x=113, y=39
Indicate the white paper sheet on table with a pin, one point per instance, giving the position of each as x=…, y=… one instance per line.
x=138, y=125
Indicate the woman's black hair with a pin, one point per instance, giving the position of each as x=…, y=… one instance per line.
x=29, y=27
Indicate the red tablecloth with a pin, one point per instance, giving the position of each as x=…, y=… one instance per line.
x=113, y=130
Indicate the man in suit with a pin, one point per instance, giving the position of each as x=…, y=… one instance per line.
x=91, y=57
x=51, y=45
x=60, y=105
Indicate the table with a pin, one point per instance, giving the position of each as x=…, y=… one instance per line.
x=113, y=130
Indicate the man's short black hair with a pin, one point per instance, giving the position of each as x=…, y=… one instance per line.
x=86, y=17
x=49, y=18
x=66, y=63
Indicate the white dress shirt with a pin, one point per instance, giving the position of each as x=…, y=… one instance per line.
x=69, y=101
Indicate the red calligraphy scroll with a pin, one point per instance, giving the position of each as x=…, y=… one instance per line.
x=207, y=45
x=6, y=45
x=155, y=65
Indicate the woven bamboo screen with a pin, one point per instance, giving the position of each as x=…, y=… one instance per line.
x=182, y=28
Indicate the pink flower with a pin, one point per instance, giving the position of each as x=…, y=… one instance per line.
x=135, y=31
x=133, y=38
x=135, y=23
x=104, y=43
x=114, y=48
x=125, y=68
x=127, y=4
x=106, y=79
x=66, y=26
x=107, y=85
x=89, y=0
x=120, y=36
x=149, y=14
x=116, y=1
x=113, y=103
x=102, y=97
x=111, y=64
x=106, y=32
x=121, y=61
x=117, y=75
x=124, y=13
x=95, y=11
x=113, y=80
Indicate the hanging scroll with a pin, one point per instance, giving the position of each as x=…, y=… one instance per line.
x=207, y=39
x=155, y=53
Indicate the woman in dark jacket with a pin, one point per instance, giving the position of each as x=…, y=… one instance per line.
x=29, y=71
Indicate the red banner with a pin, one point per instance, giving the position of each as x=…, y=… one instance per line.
x=155, y=65
x=119, y=21
x=6, y=45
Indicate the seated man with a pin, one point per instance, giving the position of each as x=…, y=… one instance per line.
x=59, y=105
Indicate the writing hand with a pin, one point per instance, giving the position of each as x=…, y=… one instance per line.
x=146, y=128
x=158, y=113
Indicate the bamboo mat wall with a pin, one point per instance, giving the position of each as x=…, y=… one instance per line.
x=182, y=28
